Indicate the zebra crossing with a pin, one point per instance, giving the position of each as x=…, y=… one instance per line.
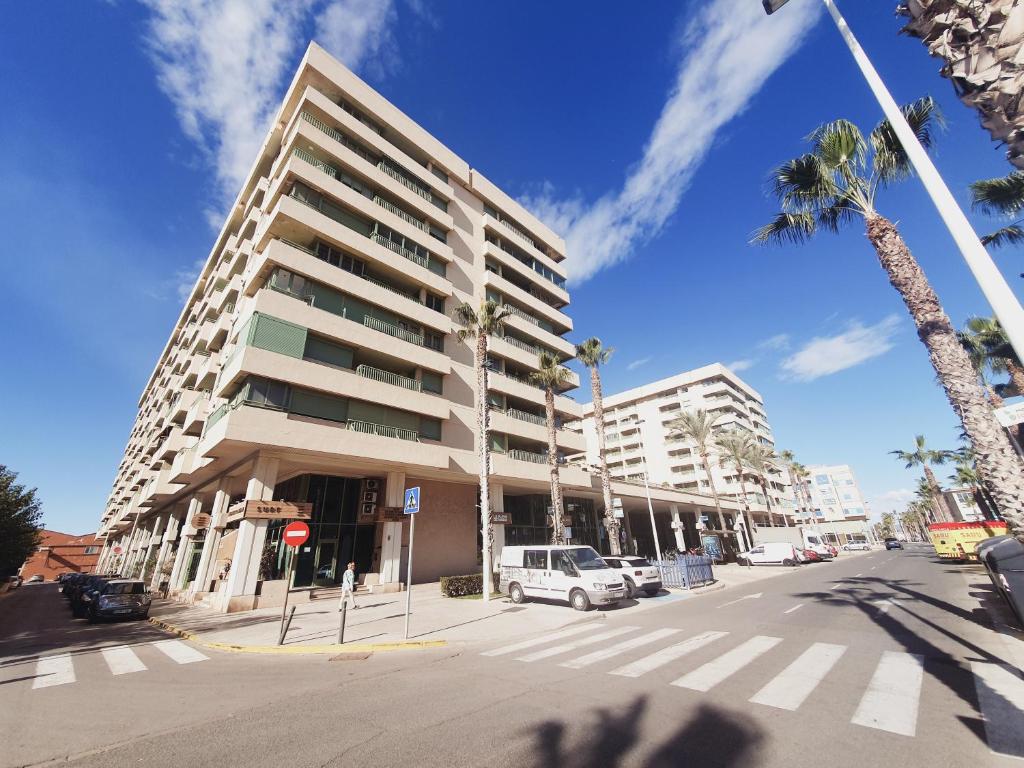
x=59, y=668
x=889, y=703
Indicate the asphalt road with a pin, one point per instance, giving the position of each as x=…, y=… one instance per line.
x=875, y=659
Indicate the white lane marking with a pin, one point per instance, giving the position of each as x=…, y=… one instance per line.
x=54, y=670
x=858, y=575
x=1001, y=700
x=615, y=650
x=872, y=567
x=891, y=700
x=883, y=605
x=667, y=655
x=569, y=632
x=796, y=607
x=794, y=684
x=179, y=652
x=574, y=644
x=837, y=586
x=122, y=660
x=706, y=677
x=754, y=596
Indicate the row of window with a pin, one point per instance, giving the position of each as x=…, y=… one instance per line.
x=338, y=258
x=520, y=255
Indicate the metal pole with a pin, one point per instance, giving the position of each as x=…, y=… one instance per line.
x=341, y=626
x=1004, y=303
x=408, y=575
x=287, y=589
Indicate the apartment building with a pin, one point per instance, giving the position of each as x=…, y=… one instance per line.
x=837, y=506
x=639, y=438
x=315, y=371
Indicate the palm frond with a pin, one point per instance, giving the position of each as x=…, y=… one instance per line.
x=839, y=146
x=592, y=354
x=1002, y=195
x=842, y=211
x=890, y=162
x=1011, y=235
x=552, y=374
x=803, y=183
x=793, y=228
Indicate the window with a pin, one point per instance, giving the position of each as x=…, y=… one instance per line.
x=821, y=479
x=324, y=351
x=91, y=550
x=438, y=234
x=266, y=393
x=433, y=341
x=560, y=561
x=430, y=428
x=433, y=302
x=536, y=559
x=431, y=382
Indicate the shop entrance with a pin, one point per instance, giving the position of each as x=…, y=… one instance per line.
x=326, y=562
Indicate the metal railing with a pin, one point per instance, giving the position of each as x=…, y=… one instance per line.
x=521, y=455
x=514, y=228
x=522, y=345
x=514, y=310
x=392, y=208
x=687, y=571
x=382, y=430
x=533, y=418
x=403, y=177
x=330, y=170
x=401, y=250
x=316, y=122
x=389, y=287
x=387, y=377
x=392, y=330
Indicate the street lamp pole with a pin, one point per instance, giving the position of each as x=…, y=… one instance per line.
x=650, y=506
x=993, y=285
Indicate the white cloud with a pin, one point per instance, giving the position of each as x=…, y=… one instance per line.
x=224, y=64
x=732, y=47
x=740, y=365
x=185, y=279
x=825, y=355
x=778, y=341
x=894, y=500
x=637, y=363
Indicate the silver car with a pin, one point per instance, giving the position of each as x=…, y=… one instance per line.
x=638, y=574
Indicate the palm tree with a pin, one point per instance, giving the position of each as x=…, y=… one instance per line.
x=760, y=459
x=802, y=474
x=966, y=476
x=552, y=376
x=788, y=459
x=838, y=181
x=984, y=363
x=699, y=428
x=910, y=518
x=481, y=325
x=734, y=451
x=888, y=525
x=988, y=336
x=1001, y=196
x=925, y=457
x=592, y=354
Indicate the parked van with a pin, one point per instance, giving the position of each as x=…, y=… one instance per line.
x=815, y=542
x=770, y=553
x=574, y=574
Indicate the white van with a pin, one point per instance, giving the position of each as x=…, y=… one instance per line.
x=816, y=542
x=769, y=553
x=575, y=574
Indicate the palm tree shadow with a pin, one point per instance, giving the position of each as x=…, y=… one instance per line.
x=712, y=738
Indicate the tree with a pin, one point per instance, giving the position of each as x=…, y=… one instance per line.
x=552, y=376
x=699, y=428
x=966, y=476
x=760, y=459
x=987, y=336
x=480, y=326
x=788, y=459
x=20, y=522
x=888, y=527
x=910, y=519
x=837, y=182
x=1001, y=196
x=734, y=451
x=592, y=354
x=984, y=364
x=925, y=457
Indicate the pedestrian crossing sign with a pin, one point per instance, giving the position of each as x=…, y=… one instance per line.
x=412, y=500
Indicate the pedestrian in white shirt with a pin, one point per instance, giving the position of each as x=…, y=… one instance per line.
x=348, y=587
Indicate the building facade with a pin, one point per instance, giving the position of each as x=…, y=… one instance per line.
x=61, y=553
x=838, y=508
x=315, y=368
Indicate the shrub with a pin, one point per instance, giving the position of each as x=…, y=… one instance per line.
x=457, y=586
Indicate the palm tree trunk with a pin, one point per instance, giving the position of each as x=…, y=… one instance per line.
x=746, y=503
x=610, y=523
x=483, y=427
x=1016, y=376
x=941, y=510
x=711, y=483
x=996, y=400
x=997, y=463
x=556, y=486
x=767, y=500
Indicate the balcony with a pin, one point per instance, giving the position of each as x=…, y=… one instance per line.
x=401, y=250
x=521, y=455
x=393, y=330
x=409, y=218
x=387, y=377
x=382, y=430
x=515, y=413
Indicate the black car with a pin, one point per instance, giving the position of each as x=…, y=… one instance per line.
x=893, y=544
x=83, y=592
x=121, y=598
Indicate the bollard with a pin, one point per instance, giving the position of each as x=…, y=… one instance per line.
x=287, y=624
x=341, y=626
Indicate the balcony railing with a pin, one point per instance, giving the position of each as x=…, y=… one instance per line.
x=403, y=177
x=514, y=228
x=533, y=418
x=382, y=430
x=526, y=347
x=401, y=250
x=330, y=170
x=514, y=310
x=387, y=377
x=391, y=207
x=389, y=287
x=392, y=330
x=521, y=455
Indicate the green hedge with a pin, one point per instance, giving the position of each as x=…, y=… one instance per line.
x=457, y=586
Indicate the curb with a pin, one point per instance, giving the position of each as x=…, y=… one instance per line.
x=300, y=650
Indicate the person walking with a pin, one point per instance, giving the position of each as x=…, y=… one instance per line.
x=348, y=587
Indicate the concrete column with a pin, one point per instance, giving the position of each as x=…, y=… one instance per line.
x=677, y=528
x=629, y=548
x=151, y=541
x=207, y=560
x=131, y=554
x=252, y=534
x=170, y=532
x=391, y=553
x=187, y=535
x=394, y=490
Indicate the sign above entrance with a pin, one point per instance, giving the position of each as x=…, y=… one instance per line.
x=501, y=518
x=412, y=500
x=295, y=534
x=255, y=509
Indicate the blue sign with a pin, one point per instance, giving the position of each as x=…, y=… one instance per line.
x=712, y=547
x=412, y=500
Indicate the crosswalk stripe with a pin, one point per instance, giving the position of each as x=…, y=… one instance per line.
x=574, y=644
x=794, y=684
x=1000, y=692
x=796, y=607
x=122, y=660
x=891, y=700
x=560, y=635
x=615, y=650
x=667, y=655
x=54, y=670
x=706, y=677
x=179, y=652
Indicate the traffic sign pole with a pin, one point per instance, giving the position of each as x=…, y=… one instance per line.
x=294, y=535
x=412, y=506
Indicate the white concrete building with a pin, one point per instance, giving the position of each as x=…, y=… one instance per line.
x=838, y=508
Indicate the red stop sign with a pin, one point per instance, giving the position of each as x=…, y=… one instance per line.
x=117, y=550
x=296, y=533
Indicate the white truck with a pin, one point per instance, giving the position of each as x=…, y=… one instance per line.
x=573, y=574
x=800, y=536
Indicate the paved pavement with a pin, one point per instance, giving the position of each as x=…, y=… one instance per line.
x=882, y=659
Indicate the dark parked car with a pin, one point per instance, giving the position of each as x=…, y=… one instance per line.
x=83, y=592
x=893, y=544
x=1003, y=557
x=122, y=598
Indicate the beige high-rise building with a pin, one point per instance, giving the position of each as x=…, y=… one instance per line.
x=315, y=366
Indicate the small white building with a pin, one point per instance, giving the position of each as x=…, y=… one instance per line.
x=838, y=508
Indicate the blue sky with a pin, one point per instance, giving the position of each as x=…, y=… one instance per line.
x=646, y=137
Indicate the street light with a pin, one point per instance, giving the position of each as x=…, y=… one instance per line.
x=993, y=285
x=650, y=506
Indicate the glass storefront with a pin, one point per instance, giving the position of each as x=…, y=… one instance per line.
x=528, y=521
x=336, y=534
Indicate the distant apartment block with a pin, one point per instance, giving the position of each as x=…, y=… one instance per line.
x=837, y=504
